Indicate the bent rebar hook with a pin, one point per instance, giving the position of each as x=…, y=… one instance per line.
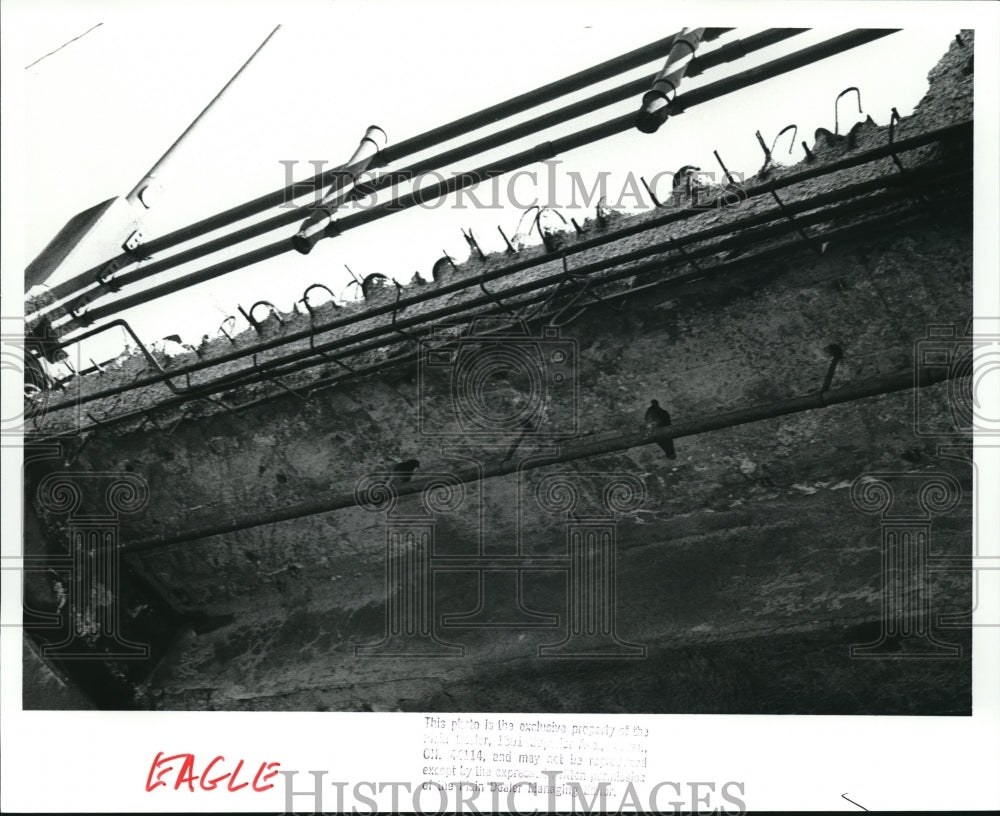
x=769, y=151
x=836, y=107
x=304, y=300
x=546, y=236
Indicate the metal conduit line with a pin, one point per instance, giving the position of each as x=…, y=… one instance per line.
x=382, y=335
x=877, y=224
x=873, y=387
x=854, y=231
x=547, y=93
x=88, y=282
x=541, y=152
x=550, y=149
x=526, y=101
x=873, y=225
x=771, y=215
x=895, y=181
x=723, y=54
x=950, y=131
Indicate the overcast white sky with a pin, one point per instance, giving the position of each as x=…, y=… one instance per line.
x=99, y=112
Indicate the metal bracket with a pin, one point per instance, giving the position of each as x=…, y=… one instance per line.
x=810, y=242
x=506, y=240
x=110, y=268
x=395, y=311
x=836, y=355
x=80, y=316
x=134, y=241
x=892, y=136
x=688, y=258
x=729, y=176
x=470, y=239
x=652, y=195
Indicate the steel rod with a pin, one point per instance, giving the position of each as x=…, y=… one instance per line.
x=458, y=127
x=661, y=247
x=136, y=196
x=741, y=237
x=547, y=150
x=877, y=224
x=863, y=389
x=721, y=55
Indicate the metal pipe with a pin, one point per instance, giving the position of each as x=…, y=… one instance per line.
x=149, y=184
x=876, y=386
x=876, y=225
x=246, y=378
x=312, y=229
x=582, y=246
x=719, y=56
x=458, y=127
x=544, y=151
x=783, y=226
x=656, y=102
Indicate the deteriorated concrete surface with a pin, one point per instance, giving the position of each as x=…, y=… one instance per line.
x=747, y=572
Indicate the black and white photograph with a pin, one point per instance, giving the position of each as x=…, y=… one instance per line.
x=517, y=379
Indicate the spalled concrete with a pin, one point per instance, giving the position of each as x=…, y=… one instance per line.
x=747, y=571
